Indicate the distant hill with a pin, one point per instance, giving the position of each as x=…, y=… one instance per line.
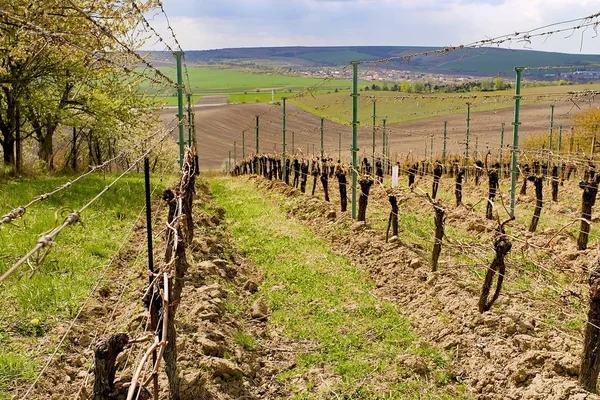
x=476, y=62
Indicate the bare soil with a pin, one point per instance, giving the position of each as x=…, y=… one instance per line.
x=218, y=127
x=226, y=349
x=510, y=352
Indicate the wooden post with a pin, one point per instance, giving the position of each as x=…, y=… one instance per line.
x=439, y=233
x=492, y=188
x=590, y=359
x=393, y=220
x=538, y=182
x=590, y=189
x=365, y=186
x=325, y=180
x=555, y=184
x=340, y=174
x=458, y=187
x=437, y=174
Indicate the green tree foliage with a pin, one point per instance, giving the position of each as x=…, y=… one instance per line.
x=63, y=64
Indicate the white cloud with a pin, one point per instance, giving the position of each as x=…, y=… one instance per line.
x=236, y=23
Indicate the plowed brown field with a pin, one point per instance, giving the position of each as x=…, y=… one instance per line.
x=219, y=126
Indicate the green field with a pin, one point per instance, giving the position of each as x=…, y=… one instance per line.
x=403, y=107
x=33, y=304
x=205, y=81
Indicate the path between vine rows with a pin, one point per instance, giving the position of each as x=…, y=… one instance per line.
x=503, y=354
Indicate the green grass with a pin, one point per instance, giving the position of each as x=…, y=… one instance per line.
x=172, y=100
x=205, y=80
x=403, y=107
x=317, y=295
x=57, y=289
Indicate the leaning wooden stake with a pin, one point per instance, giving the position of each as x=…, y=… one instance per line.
x=590, y=359
x=555, y=184
x=590, y=189
x=393, y=220
x=538, y=181
x=325, y=181
x=437, y=174
x=439, y=233
x=340, y=173
x=458, y=188
x=501, y=246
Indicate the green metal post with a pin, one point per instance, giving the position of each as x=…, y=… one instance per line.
x=257, y=134
x=179, y=57
x=467, y=144
x=283, y=157
x=354, y=148
x=294, y=142
x=445, y=140
x=190, y=123
x=476, y=147
x=243, y=145
x=234, y=152
x=384, y=146
x=501, y=148
x=322, y=134
x=515, y=144
x=431, y=152
x=550, y=143
x=340, y=146
x=373, y=154
x=559, y=148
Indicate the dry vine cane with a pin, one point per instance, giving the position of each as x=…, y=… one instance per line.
x=502, y=247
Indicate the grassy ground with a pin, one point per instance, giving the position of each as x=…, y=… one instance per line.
x=171, y=100
x=205, y=80
x=319, y=296
x=403, y=107
x=30, y=307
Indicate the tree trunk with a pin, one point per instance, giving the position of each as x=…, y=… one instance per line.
x=363, y=201
x=590, y=359
x=458, y=187
x=341, y=176
x=555, y=184
x=538, y=182
x=106, y=353
x=493, y=186
x=590, y=189
x=502, y=246
x=439, y=235
x=325, y=183
x=393, y=221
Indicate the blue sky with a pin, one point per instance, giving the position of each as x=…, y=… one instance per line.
x=210, y=24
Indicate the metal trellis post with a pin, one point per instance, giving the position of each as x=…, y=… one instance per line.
x=190, y=122
x=373, y=153
x=257, y=134
x=322, y=134
x=467, y=142
x=550, y=143
x=445, y=140
x=515, y=144
x=179, y=57
x=354, y=148
x=501, y=147
x=283, y=157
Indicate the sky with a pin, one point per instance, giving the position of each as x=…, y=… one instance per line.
x=215, y=24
